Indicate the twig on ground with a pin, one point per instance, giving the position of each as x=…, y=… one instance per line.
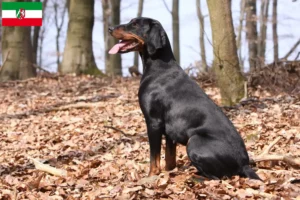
x=47, y=168
x=265, y=156
x=262, y=194
x=116, y=129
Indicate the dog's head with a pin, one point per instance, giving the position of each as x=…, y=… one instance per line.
x=140, y=34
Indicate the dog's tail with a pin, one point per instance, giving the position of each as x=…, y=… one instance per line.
x=249, y=172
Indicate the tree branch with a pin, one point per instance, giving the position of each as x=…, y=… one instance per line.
x=167, y=7
x=292, y=161
x=291, y=51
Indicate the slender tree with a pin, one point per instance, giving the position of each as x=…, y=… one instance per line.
x=78, y=55
x=59, y=25
x=226, y=64
x=274, y=30
x=264, y=8
x=251, y=24
x=239, y=36
x=36, y=34
x=175, y=26
x=115, y=63
x=105, y=20
x=136, y=54
x=0, y=35
x=176, y=33
x=204, y=66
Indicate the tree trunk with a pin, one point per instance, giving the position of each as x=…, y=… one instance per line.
x=16, y=54
x=251, y=24
x=78, y=55
x=59, y=26
x=176, y=38
x=264, y=8
x=226, y=64
x=136, y=54
x=204, y=66
x=239, y=36
x=274, y=29
x=115, y=63
x=36, y=34
x=105, y=21
x=0, y=37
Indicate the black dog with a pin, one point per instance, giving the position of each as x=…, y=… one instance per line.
x=175, y=106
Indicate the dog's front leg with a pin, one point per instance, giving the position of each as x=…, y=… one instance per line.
x=170, y=155
x=154, y=136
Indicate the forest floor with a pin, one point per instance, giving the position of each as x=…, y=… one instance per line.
x=92, y=132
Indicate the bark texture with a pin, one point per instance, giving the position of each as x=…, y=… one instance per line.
x=226, y=63
x=251, y=24
x=105, y=20
x=78, y=55
x=16, y=54
x=264, y=8
x=114, y=66
x=176, y=35
x=204, y=66
x=274, y=30
x=136, y=54
x=239, y=36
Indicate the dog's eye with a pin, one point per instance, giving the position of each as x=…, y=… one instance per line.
x=134, y=24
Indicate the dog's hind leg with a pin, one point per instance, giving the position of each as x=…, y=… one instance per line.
x=202, y=158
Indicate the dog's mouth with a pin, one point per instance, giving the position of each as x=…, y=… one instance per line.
x=125, y=46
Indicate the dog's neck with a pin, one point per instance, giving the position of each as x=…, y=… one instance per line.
x=164, y=54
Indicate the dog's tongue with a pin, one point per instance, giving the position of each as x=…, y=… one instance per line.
x=115, y=49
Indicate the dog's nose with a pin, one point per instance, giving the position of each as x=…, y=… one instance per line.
x=110, y=29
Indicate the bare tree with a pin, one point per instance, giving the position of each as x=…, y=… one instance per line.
x=251, y=24
x=58, y=26
x=239, y=35
x=264, y=8
x=78, y=54
x=175, y=26
x=115, y=60
x=226, y=63
x=274, y=30
x=105, y=20
x=36, y=34
x=204, y=66
x=176, y=37
x=0, y=35
x=136, y=54
x=111, y=17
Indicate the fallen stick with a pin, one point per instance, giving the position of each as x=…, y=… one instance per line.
x=47, y=168
x=79, y=105
x=266, y=156
x=262, y=194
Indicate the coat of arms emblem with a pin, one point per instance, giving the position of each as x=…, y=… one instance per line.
x=20, y=13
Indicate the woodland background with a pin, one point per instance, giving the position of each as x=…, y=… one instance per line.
x=70, y=123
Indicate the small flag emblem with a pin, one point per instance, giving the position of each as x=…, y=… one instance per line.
x=22, y=13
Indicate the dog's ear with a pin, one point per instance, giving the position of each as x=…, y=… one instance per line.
x=156, y=38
